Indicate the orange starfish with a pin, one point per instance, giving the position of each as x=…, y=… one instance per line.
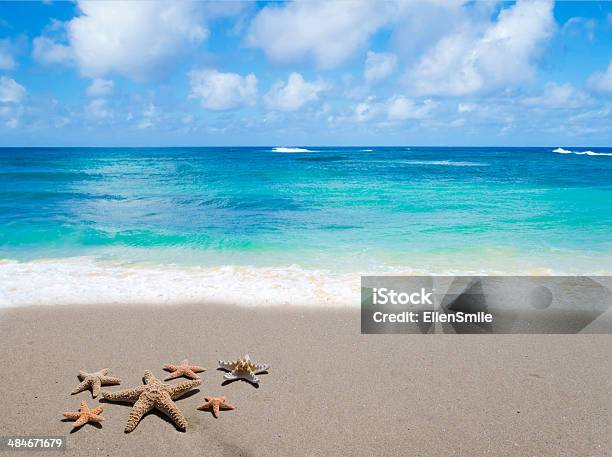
x=216, y=403
x=184, y=369
x=85, y=415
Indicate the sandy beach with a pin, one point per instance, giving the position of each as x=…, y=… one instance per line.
x=330, y=392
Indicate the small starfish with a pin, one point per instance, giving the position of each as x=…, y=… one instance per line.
x=153, y=394
x=85, y=415
x=184, y=369
x=243, y=368
x=95, y=381
x=215, y=403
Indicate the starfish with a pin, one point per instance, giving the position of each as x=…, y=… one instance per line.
x=184, y=369
x=85, y=415
x=243, y=368
x=215, y=403
x=153, y=394
x=95, y=381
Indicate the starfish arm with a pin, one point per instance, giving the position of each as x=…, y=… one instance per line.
x=251, y=378
x=175, y=374
x=103, y=372
x=170, y=367
x=190, y=374
x=167, y=406
x=148, y=377
x=205, y=405
x=226, y=365
x=227, y=405
x=177, y=390
x=95, y=418
x=72, y=415
x=83, y=374
x=96, y=386
x=215, y=406
x=81, y=387
x=123, y=395
x=81, y=420
x=110, y=380
x=261, y=367
x=197, y=369
x=142, y=406
x=230, y=376
x=97, y=410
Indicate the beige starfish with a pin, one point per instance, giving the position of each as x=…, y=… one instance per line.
x=94, y=381
x=243, y=368
x=153, y=394
x=85, y=415
x=184, y=369
x=216, y=403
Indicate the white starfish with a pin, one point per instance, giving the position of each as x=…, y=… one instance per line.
x=243, y=368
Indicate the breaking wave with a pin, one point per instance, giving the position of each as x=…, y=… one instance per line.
x=580, y=153
x=290, y=150
x=449, y=163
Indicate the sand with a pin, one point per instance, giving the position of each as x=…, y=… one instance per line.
x=330, y=392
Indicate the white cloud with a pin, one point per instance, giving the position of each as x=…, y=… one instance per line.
x=7, y=62
x=293, y=95
x=401, y=108
x=378, y=66
x=11, y=91
x=575, y=25
x=466, y=107
x=150, y=117
x=100, y=88
x=328, y=32
x=559, y=96
x=221, y=91
x=99, y=110
x=140, y=40
x=396, y=108
x=11, y=115
x=48, y=51
x=477, y=58
x=602, y=81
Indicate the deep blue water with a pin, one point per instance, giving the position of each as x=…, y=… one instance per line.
x=338, y=208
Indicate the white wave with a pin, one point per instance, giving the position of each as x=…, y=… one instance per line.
x=290, y=150
x=366, y=150
x=83, y=281
x=446, y=162
x=580, y=153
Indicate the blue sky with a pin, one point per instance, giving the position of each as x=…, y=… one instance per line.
x=305, y=73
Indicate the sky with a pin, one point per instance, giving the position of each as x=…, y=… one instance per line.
x=431, y=72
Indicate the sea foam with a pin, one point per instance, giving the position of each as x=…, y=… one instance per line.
x=580, y=153
x=290, y=150
x=85, y=281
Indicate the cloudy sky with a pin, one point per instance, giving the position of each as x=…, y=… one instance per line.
x=437, y=72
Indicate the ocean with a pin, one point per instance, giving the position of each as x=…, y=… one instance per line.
x=287, y=217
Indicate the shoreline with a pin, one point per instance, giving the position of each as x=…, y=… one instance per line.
x=87, y=281
x=426, y=395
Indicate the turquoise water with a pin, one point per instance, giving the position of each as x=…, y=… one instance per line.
x=345, y=209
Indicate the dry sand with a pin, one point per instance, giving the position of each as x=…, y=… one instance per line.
x=330, y=392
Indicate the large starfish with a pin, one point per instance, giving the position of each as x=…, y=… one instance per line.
x=85, y=415
x=184, y=369
x=243, y=368
x=94, y=381
x=153, y=394
x=216, y=403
